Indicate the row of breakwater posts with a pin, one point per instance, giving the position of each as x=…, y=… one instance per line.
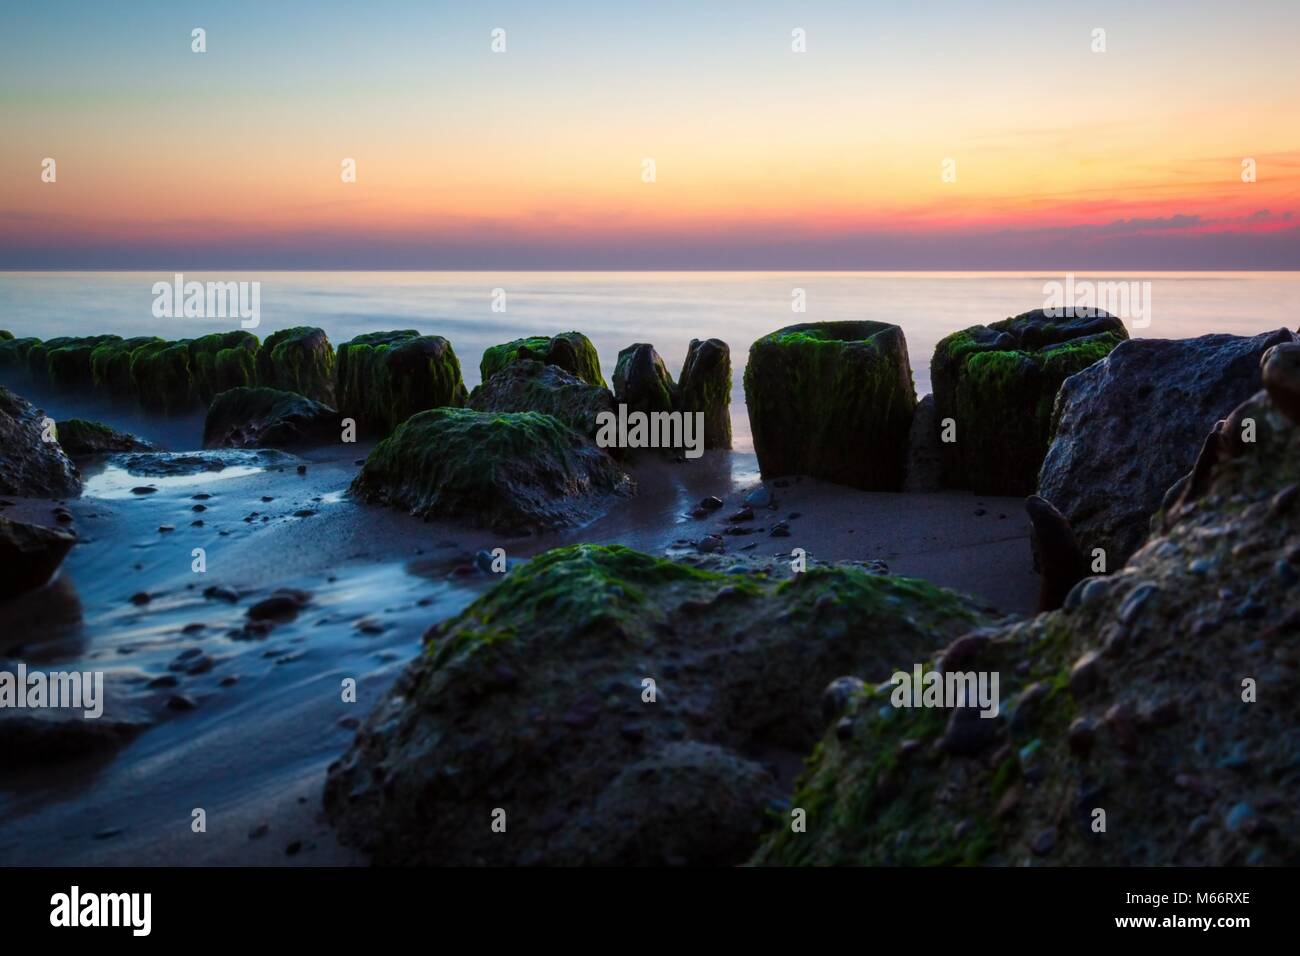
x=832, y=400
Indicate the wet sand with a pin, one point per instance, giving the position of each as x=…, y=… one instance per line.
x=253, y=753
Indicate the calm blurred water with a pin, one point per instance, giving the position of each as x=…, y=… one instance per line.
x=617, y=309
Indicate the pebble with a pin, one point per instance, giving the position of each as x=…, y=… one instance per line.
x=838, y=694
x=141, y=598
x=744, y=514
x=710, y=544
x=144, y=490
x=1044, y=843
x=164, y=680
x=1082, y=735
x=199, y=508
x=779, y=530
x=303, y=513
x=760, y=497
x=179, y=702
x=164, y=528
x=1136, y=600
x=283, y=604
x=1285, y=574
x=1085, y=673
x=302, y=469
x=1239, y=816
x=220, y=594
x=711, y=503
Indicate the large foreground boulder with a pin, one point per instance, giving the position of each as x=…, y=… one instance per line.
x=833, y=400
x=30, y=466
x=84, y=439
x=705, y=386
x=1152, y=721
x=998, y=384
x=528, y=386
x=268, y=418
x=571, y=351
x=29, y=556
x=1129, y=427
x=386, y=377
x=513, y=472
x=300, y=359
x=611, y=705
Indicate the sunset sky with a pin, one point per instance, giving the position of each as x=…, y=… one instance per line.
x=764, y=158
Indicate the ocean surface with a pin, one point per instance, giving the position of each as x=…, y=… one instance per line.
x=616, y=309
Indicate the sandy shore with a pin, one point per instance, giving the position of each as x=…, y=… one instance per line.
x=252, y=751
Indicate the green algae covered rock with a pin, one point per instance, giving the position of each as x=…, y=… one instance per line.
x=268, y=418
x=705, y=386
x=642, y=382
x=998, y=385
x=535, y=699
x=386, y=377
x=161, y=377
x=513, y=472
x=6, y=335
x=222, y=361
x=299, y=360
x=1163, y=695
x=528, y=386
x=833, y=400
x=83, y=439
x=110, y=365
x=68, y=365
x=571, y=351
x=14, y=366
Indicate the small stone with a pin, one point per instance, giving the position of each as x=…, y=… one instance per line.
x=838, y=694
x=744, y=514
x=144, y=490
x=165, y=528
x=163, y=681
x=1082, y=735
x=302, y=469
x=710, y=544
x=1044, y=843
x=760, y=497
x=711, y=503
x=141, y=598
x=303, y=513
x=199, y=508
x=180, y=702
x=779, y=530
x=1085, y=673
x=1240, y=816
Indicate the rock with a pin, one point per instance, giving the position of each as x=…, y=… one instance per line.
x=1173, y=708
x=570, y=351
x=40, y=738
x=83, y=439
x=642, y=382
x=528, y=386
x=924, y=450
x=14, y=360
x=705, y=386
x=222, y=361
x=760, y=497
x=268, y=418
x=710, y=544
x=1280, y=372
x=110, y=365
x=998, y=384
x=29, y=466
x=711, y=503
x=29, y=556
x=67, y=361
x=839, y=694
x=1130, y=426
x=299, y=360
x=509, y=471
x=833, y=400
x=282, y=605
x=1061, y=563
x=746, y=671
x=161, y=377
x=386, y=377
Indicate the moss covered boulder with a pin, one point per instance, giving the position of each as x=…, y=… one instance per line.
x=68, y=366
x=110, y=365
x=268, y=418
x=6, y=335
x=528, y=386
x=299, y=360
x=84, y=439
x=14, y=366
x=386, y=377
x=833, y=400
x=998, y=384
x=571, y=351
x=161, y=377
x=642, y=382
x=615, y=705
x=705, y=386
x=222, y=361
x=30, y=466
x=513, y=472
x=1152, y=721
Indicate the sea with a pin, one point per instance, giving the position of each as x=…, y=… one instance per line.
x=475, y=310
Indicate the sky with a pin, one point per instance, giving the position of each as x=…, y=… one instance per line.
x=1057, y=156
